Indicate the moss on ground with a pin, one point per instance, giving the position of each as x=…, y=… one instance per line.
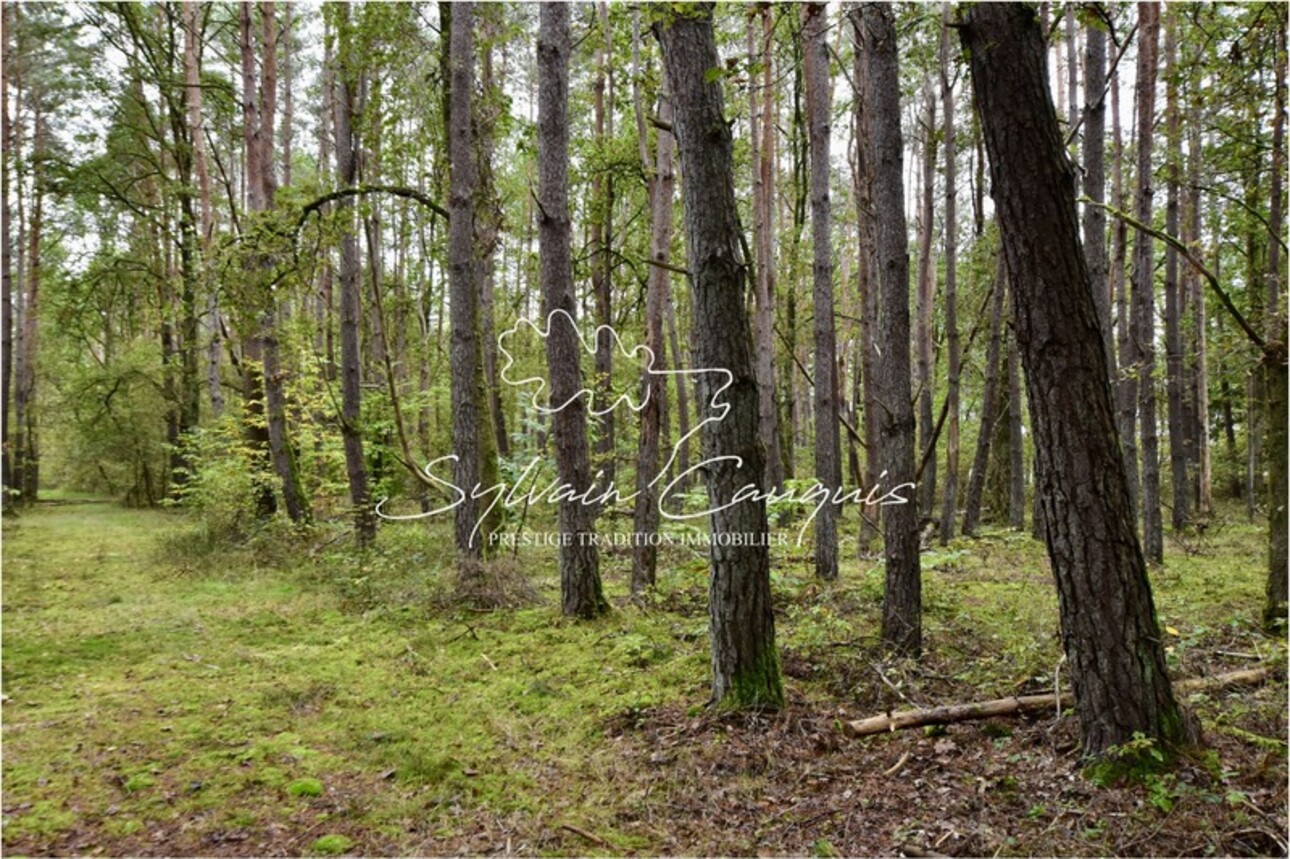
x=294, y=695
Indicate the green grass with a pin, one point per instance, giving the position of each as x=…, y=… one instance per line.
x=346, y=698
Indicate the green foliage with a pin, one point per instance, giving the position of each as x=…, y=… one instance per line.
x=332, y=845
x=305, y=787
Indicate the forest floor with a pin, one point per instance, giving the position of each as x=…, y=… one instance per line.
x=165, y=694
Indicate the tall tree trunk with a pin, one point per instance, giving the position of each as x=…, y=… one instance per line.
x=1274, y=363
x=1094, y=154
x=580, y=589
x=253, y=395
x=345, y=83
x=648, y=478
x=1200, y=359
x=1144, y=297
x=1016, y=452
x=29, y=472
x=1126, y=392
x=950, y=491
x=467, y=425
x=682, y=397
x=275, y=397
x=602, y=193
x=925, y=378
x=761, y=119
x=6, y=266
x=903, y=602
x=990, y=402
x=1179, y=481
x=828, y=457
x=1109, y=628
x=745, y=664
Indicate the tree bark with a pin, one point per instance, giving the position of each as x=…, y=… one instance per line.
x=828, y=458
x=1094, y=154
x=580, y=589
x=1144, y=295
x=1126, y=392
x=1109, y=628
x=745, y=664
x=648, y=480
x=990, y=403
x=761, y=119
x=6, y=266
x=1180, y=483
x=925, y=379
x=345, y=83
x=903, y=601
x=950, y=491
x=602, y=202
x=1274, y=365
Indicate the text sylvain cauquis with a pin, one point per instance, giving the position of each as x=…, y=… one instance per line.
x=511, y=495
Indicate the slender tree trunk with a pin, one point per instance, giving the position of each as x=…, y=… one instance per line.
x=1204, y=468
x=649, y=481
x=6, y=266
x=1144, y=303
x=1109, y=628
x=29, y=482
x=1094, y=154
x=682, y=397
x=925, y=379
x=1179, y=481
x=602, y=194
x=745, y=664
x=345, y=83
x=990, y=402
x=950, y=502
x=1126, y=393
x=868, y=281
x=580, y=588
x=903, y=601
x=761, y=119
x=464, y=294
x=828, y=459
x=1274, y=365
x=275, y=397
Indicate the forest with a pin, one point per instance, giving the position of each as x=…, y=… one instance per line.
x=644, y=428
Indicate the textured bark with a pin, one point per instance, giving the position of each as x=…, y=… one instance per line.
x=745, y=664
x=602, y=204
x=6, y=267
x=350, y=307
x=903, y=601
x=580, y=589
x=463, y=293
x=762, y=122
x=1109, y=628
x=991, y=401
x=1126, y=392
x=951, y=488
x=682, y=397
x=1144, y=294
x=1200, y=357
x=1094, y=155
x=1180, y=483
x=828, y=456
x=924, y=379
x=256, y=427
x=866, y=227
x=1274, y=366
x=275, y=398
x=648, y=486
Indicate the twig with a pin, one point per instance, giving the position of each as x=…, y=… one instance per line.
x=590, y=836
x=897, y=766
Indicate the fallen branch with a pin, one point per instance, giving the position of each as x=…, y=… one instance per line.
x=1018, y=705
x=590, y=836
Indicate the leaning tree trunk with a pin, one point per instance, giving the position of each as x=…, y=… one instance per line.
x=1109, y=628
x=828, y=457
x=1094, y=154
x=580, y=589
x=745, y=664
x=1144, y=293
x=902, y=630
